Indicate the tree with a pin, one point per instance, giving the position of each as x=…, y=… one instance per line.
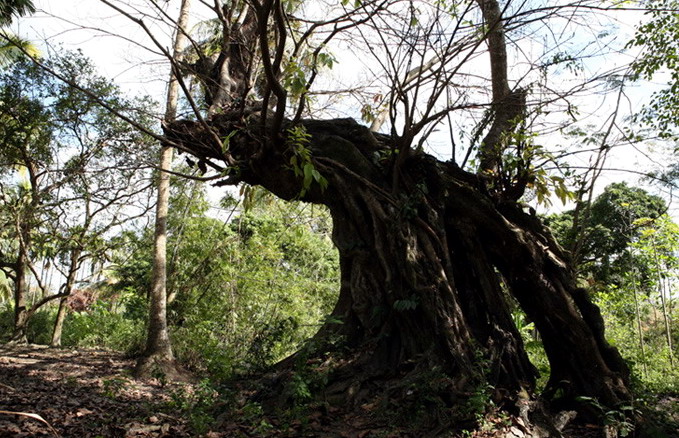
x=242, y=291
x=658, y=245
x=658, y=39
x=600, y=242
x=625, y=252
x=432, y=254
x=158, y=356
x=13, y=47
x=61, y=151
x=104, y=192
x=24, y=127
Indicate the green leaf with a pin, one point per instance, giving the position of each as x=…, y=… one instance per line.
x=308, y=175
x=226, y=142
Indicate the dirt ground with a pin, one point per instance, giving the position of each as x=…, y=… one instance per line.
x=80, y=393
x=47, y=392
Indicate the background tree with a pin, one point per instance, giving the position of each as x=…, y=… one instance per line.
x=244, y=291
x=14, y=8
x=658, y=244
x=13, y=46
x=24, y=129
x=61, y=150
x=600, y=242
x=657, y=38
x=639, y=311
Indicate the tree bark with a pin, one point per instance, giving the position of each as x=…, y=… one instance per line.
x=426, y=269
x=158, y=356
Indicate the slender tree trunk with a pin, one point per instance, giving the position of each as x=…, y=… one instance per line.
x=668, y=327
x=59, y=323
x=20, y=304
x=638, y=318
x=158, y=354
x=68, y=289
x=661, y=292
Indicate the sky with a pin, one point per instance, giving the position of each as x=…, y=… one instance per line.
x=94, y=28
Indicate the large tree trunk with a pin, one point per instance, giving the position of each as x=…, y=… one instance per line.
x=427, y=270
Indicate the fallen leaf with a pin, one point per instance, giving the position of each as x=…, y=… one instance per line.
x=33, y=416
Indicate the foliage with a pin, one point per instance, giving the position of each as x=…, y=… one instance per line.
x=650, y=365
x=99, y=327
x=659, y=38
x=103, y=327
x=298, y=141
x=38, y=330
x=243, y=293
x=601, y=241
x=14, y=8
x=644, y=326
x=629, y=253
x=618, y=422
x=71, y=171
x=13, y=47
x=197, y=404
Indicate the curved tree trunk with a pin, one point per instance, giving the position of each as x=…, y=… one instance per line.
x=426, y=269
x=59, y=323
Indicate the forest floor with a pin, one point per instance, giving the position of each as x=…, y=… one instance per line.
x=87, y=393
x=80, y=393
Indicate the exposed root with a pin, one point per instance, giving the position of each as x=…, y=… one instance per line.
x=162, y=368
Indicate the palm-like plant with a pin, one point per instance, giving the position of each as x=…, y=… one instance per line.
x=14, y=8
x=13, y=47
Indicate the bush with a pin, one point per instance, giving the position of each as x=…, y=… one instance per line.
x=104, y=328
x=40, y=326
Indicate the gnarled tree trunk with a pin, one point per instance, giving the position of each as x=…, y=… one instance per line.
x=427, y=270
